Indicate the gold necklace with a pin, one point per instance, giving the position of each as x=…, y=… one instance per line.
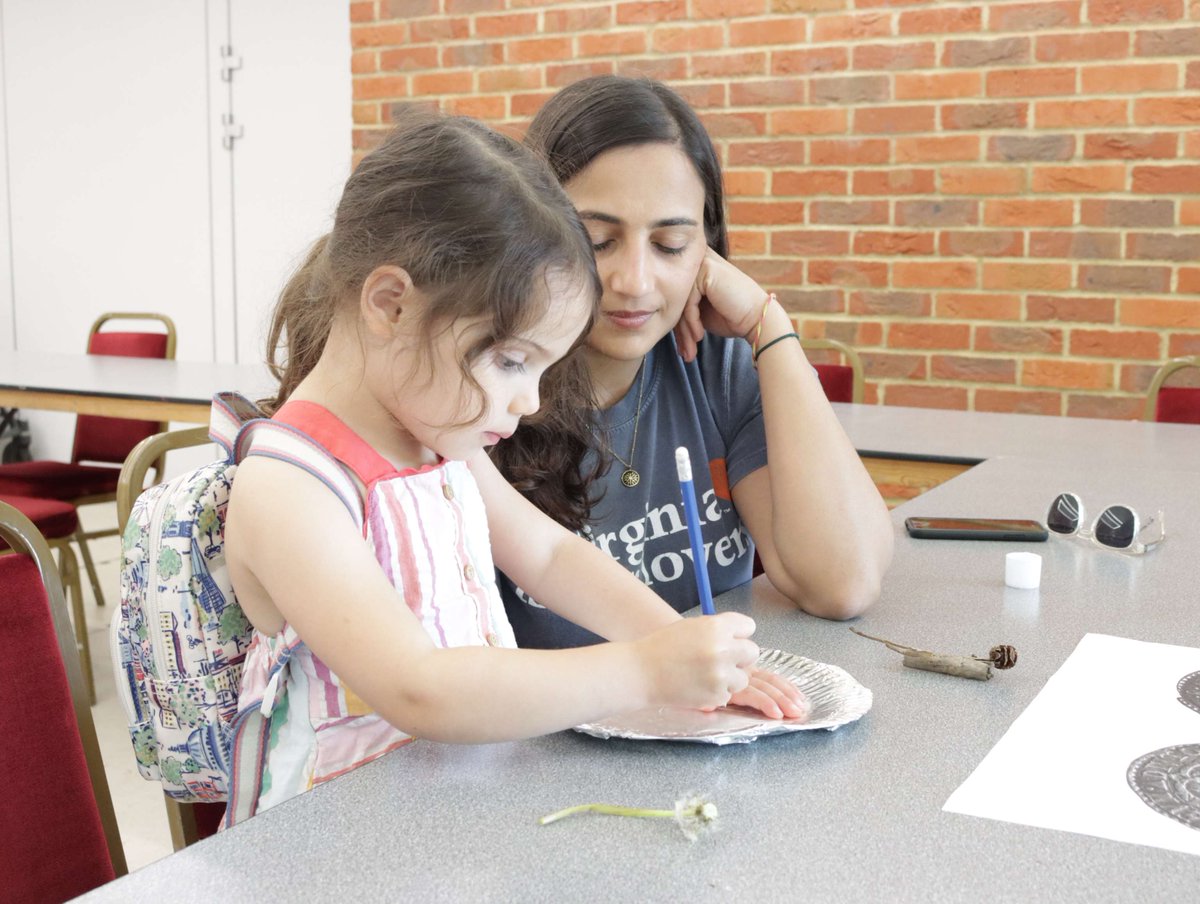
x=630, y=477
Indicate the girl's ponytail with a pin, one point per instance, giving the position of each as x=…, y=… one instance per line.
x=300, y=324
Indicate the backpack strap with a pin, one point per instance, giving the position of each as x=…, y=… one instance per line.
x=241, y=428
x=247, y=760
x=322, y=456
x=230, y=412
x=283, y=442
x=339, y=438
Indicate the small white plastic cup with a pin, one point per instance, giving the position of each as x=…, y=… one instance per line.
x=1023, y=570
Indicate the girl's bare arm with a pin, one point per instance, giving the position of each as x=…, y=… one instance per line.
x=295, y=555
x=574, y=579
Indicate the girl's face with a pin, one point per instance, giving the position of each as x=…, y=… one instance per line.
x=508, y=375
x=644, y=208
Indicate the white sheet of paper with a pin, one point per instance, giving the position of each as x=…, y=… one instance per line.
x=1062, y=764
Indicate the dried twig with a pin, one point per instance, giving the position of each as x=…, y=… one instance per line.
x=1002, y=656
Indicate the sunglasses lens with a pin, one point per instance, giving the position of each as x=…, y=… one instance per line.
x=1064, y=514
x=1116, y=526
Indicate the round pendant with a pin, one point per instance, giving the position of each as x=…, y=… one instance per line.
x=630, y=478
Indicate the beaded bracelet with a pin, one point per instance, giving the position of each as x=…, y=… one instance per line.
x=758, y=329
x=795, y=336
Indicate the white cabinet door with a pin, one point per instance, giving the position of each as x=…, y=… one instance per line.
x=122, y=192
x=292, y=98
x=7, y=314
x=106, y=126
x=108, y=167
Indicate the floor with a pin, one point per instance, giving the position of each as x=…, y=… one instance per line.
x=139, y=803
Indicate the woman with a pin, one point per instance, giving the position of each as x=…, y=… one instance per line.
x=671, y=360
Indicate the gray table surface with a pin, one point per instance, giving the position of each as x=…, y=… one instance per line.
x=974, y=436
x=134, y=378
x=849, y=815
x=925, y=433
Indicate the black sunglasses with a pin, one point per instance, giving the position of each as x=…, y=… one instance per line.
x=1117, y=527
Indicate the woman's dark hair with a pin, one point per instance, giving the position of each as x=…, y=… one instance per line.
x=576, y=126
x=595, y=115
x=479, y=223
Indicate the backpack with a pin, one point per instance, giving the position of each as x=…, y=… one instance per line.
x=180, y=637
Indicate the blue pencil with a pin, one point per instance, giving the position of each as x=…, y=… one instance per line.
x=683, y=464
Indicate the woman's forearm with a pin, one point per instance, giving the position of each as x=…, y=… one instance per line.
x=830, y=537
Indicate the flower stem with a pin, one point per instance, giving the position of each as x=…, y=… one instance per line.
x=610, y=809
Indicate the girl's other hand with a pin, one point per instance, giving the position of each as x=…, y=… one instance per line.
x=724, y=301
x=699, y=662
x=773, y=696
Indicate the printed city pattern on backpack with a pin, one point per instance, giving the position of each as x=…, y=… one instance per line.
x=181, y=637
x=179, y=640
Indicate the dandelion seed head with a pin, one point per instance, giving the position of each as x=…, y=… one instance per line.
x=695, y=814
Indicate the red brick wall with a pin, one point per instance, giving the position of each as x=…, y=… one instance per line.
x=998, y=203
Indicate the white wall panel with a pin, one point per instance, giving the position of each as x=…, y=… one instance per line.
x=121, y=195
x=108, y=164
x=108, y=173
x=293, y=97
x=7, y=314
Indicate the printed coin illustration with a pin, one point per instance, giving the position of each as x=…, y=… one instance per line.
x=1168, y=781
x=1189, y=691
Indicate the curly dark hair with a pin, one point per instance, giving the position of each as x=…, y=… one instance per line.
x=547, y=458
x=478, y=221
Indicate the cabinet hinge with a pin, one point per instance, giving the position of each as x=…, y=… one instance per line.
x=230, y=63
x=230, y=131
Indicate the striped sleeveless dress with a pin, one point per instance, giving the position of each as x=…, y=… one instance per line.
x=428, y=530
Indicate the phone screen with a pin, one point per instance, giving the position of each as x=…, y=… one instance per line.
x=975, y=529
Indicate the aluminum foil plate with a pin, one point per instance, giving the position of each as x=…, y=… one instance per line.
x=834, y=696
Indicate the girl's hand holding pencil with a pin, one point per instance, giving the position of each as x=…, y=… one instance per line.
x=708, y=662
x=699, y=662
x=772, y=695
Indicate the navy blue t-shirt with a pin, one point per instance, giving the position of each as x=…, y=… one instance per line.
x=712, y=406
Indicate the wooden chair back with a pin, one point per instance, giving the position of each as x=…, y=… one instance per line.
x=841, y=382
x=1174, y=404
x=109, y=440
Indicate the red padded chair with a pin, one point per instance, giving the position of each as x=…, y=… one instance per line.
x=58, y=832
x=57, y=522
x=101, y=443
x=1174, y=404
x=841, y=382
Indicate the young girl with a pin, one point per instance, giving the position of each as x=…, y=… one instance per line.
x=687, y=351
x=456, y=274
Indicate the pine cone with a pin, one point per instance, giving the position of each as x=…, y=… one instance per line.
x=1003, y=656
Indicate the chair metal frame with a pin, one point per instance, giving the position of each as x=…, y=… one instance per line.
x=147, y=454
x=853, y=361
x=68, y=574
x=25, y=539
x=68, y=570
x=1172, y=366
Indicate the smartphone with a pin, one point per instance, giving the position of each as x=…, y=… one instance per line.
x=975, y=529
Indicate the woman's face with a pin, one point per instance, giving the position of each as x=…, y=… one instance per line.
x=644, y=208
